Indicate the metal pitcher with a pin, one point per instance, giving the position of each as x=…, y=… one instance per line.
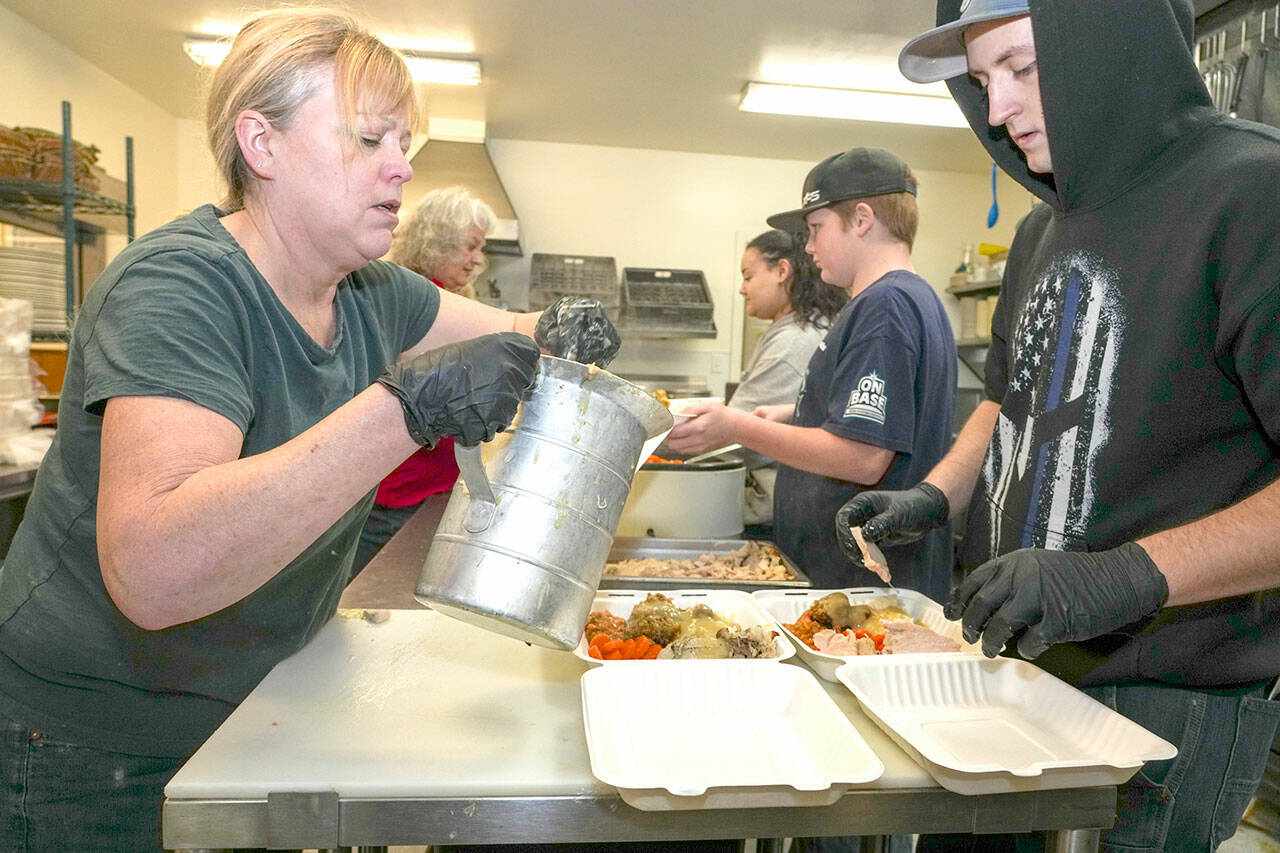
x=523, y=541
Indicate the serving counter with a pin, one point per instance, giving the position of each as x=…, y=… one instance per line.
x=424, y=730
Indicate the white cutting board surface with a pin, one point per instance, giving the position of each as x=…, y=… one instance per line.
x=425, y=706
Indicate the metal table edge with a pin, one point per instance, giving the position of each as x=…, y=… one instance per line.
x=193, y=824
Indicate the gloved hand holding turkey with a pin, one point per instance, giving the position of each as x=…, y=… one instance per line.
x=891, y=517
x=577, y=328
x=470, y=389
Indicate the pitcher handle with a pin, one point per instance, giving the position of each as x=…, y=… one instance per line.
x=481, y=507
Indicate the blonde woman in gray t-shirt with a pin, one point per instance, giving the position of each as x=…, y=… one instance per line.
x=781, y=284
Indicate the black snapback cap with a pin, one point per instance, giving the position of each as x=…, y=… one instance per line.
x=857, y=173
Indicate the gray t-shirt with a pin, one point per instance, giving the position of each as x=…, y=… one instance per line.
x=776, y=371
x=182, y=312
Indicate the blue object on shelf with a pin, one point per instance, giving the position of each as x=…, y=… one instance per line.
x=994, y=213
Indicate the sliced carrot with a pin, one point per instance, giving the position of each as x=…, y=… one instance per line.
x=613, y=655
x=592, y=651
x=653, y=652
x=598, y=640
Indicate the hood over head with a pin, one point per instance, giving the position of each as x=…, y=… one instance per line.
x=1118, y=84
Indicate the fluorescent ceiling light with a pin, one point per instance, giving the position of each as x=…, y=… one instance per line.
x=208, y=51
x=857, y=104
x=439, y=69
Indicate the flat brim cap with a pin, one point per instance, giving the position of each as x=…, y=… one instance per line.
x=856, y=173
x=939, y=53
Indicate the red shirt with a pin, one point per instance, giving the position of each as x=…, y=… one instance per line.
x=426, y=472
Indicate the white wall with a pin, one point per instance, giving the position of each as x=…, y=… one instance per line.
x=649, y=208
x=197, y=183
x=39, y=73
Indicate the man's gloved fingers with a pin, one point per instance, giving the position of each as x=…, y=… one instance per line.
x=999, y=630
x=963, y=591
x=864, y=506
x=1033, y=643
x=988, y=590
x=845, y=536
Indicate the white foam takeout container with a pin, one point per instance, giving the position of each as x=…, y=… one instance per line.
x=678, y=404
x=710, y=735
x=981, y=726
x=735, y=604
x=785, y=606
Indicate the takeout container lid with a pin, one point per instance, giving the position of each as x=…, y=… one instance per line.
x=735, y=604
x=677, y=405
x=785, y=606
x=710, y=734
x=986, y=726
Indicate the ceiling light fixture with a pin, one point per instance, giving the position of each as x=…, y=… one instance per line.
x=855, y=104
x=210, y=51
x=207, y=51
x=426, y=68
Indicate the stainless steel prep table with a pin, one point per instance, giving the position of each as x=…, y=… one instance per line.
x=425, y=730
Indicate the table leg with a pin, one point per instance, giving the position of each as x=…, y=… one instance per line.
x=1073, y=841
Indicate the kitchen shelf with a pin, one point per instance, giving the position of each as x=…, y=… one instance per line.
x=61, y=207
x=654, y=330
x=975, y=288
x=39, y=199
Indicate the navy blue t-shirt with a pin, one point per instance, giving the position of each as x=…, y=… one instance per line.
x=885, y=375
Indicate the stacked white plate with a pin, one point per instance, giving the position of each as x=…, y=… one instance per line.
x=38, y=276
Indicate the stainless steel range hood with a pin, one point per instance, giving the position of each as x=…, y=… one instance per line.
x=448, y=163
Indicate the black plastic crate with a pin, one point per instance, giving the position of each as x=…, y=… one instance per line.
x=669, y=295
x=554, y=276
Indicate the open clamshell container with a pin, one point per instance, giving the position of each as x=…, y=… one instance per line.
x=734, y=604
x=983, y=726
x=786, y=606
x=712, y=734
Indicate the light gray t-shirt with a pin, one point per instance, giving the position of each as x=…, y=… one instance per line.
x=182, y=312
x=776, y=370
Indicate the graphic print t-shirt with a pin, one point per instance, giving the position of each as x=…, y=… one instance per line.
x=884, y=375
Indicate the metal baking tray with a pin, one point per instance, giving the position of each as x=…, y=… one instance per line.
x=639, y=547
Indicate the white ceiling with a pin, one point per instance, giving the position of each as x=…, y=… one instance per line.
x=662, y=74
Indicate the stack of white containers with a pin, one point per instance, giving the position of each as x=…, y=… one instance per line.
x=20, y=408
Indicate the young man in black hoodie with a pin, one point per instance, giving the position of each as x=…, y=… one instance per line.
x=1121, y=477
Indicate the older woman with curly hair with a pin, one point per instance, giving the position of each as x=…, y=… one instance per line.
x=443, y=240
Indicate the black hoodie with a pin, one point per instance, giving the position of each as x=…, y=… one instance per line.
x=1136, y=349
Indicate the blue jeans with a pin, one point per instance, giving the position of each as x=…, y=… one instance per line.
x=1188, y=804
x=60, y=796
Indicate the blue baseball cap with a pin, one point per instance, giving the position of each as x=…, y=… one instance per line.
x=939, y=53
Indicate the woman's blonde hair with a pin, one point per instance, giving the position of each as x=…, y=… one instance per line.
x=437, y=229
x=275, y=64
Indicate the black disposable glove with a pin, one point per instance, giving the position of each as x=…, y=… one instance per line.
x=470, y=389
x=576, y=328
x=891, y=518
x=1056, y=596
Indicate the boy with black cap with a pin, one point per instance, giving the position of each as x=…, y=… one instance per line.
x=877, y=396
x=1124, y=470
